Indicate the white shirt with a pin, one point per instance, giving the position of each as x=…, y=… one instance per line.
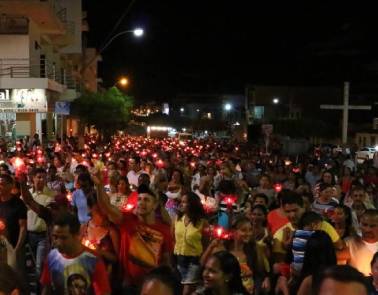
x=34, y=222
x=132, y=176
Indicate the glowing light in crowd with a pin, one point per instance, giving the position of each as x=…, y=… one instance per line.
x=2, y=225
x=278, y=187
x=160, y=163
x=69, y=197
x=89, y=244
x=230, y=200
x=18, y=163
x=128, y=207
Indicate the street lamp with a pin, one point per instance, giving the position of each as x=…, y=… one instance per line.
x=122, y=81
x=138, y=32
x=182, y=110
x=228, y=107
x=276, y=100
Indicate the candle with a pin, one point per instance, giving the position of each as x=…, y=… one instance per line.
x=278, y=187
x=69, y=197
x=128, y=207
x=160, y=163
x=89, y=244
x=2, y=225
x=18, y=163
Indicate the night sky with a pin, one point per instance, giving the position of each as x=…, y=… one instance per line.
x=220, y=46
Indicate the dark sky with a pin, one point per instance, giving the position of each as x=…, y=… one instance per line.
x=219, y=46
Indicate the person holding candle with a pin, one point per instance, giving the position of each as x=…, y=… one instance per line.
x=70, y=258
x=145, y=242
x=251, y=256
x=174, y=191
x=104, y=238
x=362, y=249
x=36, y=226
x=189, y=237
x=13, y=213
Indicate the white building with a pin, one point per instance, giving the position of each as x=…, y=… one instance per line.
x=40, y=62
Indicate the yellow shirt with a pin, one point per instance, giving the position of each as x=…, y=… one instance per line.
x=188, y=238
x=278, y=236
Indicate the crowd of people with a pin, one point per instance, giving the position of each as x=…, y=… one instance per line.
x=164, y=216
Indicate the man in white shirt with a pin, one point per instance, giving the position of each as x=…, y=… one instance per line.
x=197, y=177
x=362, y=249
x=36, y=226
x=134, y=171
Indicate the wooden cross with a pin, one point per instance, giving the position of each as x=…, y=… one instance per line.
x=345, y=107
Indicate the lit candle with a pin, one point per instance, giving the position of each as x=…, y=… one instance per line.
x=69, y=197
x=2, y=225
x=89, y=244
x=278, y=187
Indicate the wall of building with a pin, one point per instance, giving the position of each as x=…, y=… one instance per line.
x=366, y=139
x=14, y=46
x=74, y=17
x=34, y=42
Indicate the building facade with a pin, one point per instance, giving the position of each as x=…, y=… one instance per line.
x=41, y=59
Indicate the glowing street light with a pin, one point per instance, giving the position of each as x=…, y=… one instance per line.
x=138, y=32
x=182, y=110
x=228, y=107
x=276, y=100
x=124, y=81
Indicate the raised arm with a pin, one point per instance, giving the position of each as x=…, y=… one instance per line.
x=111, y=211
x=40, y=210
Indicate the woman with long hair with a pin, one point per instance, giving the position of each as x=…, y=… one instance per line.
x=221, y=275
x=251, y=256
x=313, y=263
x=341, y=220
x=189, y=235
x=120, y=198
x=83, y=189
x=346, y=180
x=328, y=178
x=174, y=192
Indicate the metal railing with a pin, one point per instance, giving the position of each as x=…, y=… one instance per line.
x=28, y=68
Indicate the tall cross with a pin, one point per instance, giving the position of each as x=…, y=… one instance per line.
x=345, y=107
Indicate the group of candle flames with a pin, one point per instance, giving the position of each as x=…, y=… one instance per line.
x=37, y=157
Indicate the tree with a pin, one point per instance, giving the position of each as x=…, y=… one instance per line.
x=107, y=111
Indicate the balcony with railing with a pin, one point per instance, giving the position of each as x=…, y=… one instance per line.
x=43, y=68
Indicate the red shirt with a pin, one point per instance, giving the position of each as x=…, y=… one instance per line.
x=142, y=246
x=276, y=220
x=85, y=273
